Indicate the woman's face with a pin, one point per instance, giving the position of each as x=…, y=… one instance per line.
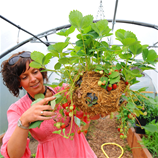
x=32, y=80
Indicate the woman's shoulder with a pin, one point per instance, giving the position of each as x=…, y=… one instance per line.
x=21, y=104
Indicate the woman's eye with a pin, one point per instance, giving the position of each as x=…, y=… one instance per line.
x=35, y=71
x=24, y=77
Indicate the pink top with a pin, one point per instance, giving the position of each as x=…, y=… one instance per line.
x=50, y=145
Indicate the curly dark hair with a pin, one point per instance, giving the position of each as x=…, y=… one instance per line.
x=11, y=73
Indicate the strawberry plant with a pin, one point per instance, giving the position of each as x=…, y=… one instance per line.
x=98, y=75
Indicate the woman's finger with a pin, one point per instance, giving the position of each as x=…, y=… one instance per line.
x=46, y=100
x=48, y=113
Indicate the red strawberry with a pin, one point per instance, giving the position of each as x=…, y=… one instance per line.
x=63, y=126
x=130, y=116
x=109, y=88
x=85, y=119
x=121, y=134
x=85, y=131
x=118, y=129
x=109, y=73
x=79, y=114
x=126, y=82
x=114, y=86
x=116, y=70
x=79, y=131
x=65, y=105
x=120, y=70
x=66, y=113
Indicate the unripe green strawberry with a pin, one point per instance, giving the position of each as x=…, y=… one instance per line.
x=71, y=107
x=145, y=113
x=121, y=130
x=99, y=83
x=130, y=116
x=101, y=72
x=58, y=124
x=70, y=114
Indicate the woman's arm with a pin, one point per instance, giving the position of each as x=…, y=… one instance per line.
x=17, y=143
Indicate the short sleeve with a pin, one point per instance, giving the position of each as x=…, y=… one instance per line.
x=13, y=114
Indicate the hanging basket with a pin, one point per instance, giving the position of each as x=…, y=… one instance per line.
x=87, y=89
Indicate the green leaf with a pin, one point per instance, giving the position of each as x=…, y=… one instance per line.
x=136, y=48
x=37, y=56
x=151, y=128
x=114, y=74
x=130, y=105
x=59, y=97
x=114, y=80
x=67, y=39
x=129, y=41
x=36, y=101
x=81, y=53
x=78, y=21
x=86, y=21
x=61, y=112
x=66, y=32
x=120, y=33
x=133, y=74
x=101, y=27
x=151, y=100
x=34, y=64
x=57, y=132
x=47, y=58
x=125, y=56
x=142, y=89
x=89, y=105
x=145, y=54
x=35, y=124
x=54, y=84
x=75, y=18
x=118, y=66
x=152, y=55
x=64, y=60
x=57, y=66
x=40, y=95
x=72, y=134
x=57, y=48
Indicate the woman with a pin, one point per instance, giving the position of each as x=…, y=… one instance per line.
x=17, y=75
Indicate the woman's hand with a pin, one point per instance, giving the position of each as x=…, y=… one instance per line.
x=38, y=111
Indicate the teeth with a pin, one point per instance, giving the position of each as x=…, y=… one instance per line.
x=35, y=85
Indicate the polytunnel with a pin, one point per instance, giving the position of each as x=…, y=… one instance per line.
x=32, y=25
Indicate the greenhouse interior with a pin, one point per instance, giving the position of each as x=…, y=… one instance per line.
x=35, y=26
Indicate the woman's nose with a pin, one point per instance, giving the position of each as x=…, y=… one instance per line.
x=32, y=78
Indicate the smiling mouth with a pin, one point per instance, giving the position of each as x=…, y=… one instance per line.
x=36, y=85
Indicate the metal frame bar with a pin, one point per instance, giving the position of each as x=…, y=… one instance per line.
x=51, y=31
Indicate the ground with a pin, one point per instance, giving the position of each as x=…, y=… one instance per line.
x=99, y=132
x=102, y=131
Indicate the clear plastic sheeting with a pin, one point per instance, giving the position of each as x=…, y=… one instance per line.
x=145, y=81
x=49, y=16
